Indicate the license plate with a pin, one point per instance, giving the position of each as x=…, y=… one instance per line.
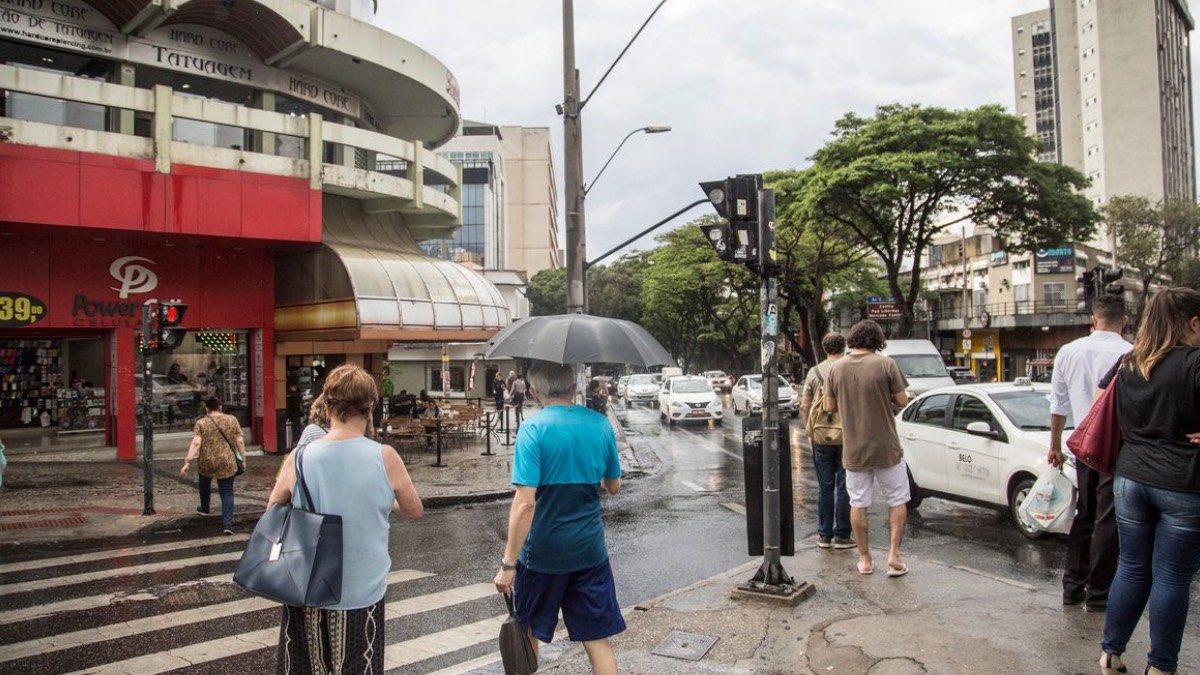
x=697, y=413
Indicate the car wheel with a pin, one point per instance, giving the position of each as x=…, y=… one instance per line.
x=914, y=493
x=1016, y=495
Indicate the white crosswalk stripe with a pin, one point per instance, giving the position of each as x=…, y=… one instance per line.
x=131, y=617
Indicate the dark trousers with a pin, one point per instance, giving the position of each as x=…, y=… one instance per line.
x=225, y=489
x=1092, y=548
x=833, y=502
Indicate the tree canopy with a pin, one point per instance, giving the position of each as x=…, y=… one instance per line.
x=899, y=178
x=1154, y=238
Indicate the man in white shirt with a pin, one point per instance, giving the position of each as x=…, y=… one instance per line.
x=1092, y=548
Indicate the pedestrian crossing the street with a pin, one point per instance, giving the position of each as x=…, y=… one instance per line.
x=173, y=607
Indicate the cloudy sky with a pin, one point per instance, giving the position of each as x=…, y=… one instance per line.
x=747, y=86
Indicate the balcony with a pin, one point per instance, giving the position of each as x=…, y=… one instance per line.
x=1021, y=314
x=332, y=158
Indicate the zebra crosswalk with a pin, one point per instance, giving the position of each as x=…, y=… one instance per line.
x=173, y=607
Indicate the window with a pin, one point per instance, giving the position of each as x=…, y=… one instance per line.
x=458, y=379
x=968, y=409
x=931, y=411
x=1054, y=293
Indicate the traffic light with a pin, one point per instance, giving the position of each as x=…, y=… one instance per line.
x=1109, y=279
x=170, y=315
x=736, y=200
x=1085, y=291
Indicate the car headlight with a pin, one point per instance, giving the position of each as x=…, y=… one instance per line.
x=756, y=398
x=677, y=404
x=714, y=404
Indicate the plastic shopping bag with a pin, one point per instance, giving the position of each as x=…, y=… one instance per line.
x=1050, y=504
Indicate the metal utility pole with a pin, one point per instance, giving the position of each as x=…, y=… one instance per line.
x=576, y=244
x=147, y=410
x=771, y=576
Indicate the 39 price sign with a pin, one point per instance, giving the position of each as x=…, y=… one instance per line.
x=19, y=309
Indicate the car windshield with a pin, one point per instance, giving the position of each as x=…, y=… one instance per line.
x=690, y=387
x=714, y=373
x=756, y=382
x=1027, y=409
x=921, y=365
x=641, y=379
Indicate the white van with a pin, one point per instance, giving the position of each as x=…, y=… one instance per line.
x=671, y=371
x=921, y=363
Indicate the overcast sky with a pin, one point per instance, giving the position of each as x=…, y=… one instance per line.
x=747, y=86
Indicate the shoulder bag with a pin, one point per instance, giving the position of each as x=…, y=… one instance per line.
x=241, y=465
x=515, y=649
x=294, y=555
x=1097, y=439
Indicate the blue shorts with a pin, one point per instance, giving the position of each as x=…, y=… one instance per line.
x=587, y=598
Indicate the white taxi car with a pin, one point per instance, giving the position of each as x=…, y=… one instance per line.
x=689, y=398
x=982, y=444
x=747, y=396
x=641, y=388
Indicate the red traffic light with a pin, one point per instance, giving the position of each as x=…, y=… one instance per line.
x=171, y=314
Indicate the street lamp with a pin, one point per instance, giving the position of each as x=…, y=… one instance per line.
x=649, y=130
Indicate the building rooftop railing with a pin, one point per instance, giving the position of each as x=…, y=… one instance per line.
x=335, y=158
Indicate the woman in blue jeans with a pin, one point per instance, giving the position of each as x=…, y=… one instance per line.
x=1157, y=482
x=216, y=447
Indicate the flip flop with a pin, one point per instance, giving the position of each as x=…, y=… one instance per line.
x=868, y=570
x=893, y=572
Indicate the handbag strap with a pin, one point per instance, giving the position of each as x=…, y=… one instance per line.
x=508, y=601
x=222, y=432
x=300, y=479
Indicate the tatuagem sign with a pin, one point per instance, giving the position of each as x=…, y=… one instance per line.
x=197, y=50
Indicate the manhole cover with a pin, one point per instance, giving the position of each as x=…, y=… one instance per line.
x=688, y=646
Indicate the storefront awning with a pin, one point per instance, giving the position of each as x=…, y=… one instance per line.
x=371, y=281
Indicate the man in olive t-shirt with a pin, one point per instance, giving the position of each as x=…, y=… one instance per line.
x=863, y=386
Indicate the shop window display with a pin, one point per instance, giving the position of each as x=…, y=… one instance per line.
x=207, y=363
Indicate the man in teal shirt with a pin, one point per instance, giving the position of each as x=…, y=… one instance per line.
x=555, y=557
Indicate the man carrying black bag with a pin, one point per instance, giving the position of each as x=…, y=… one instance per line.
x=361, y=481
x=555, y=557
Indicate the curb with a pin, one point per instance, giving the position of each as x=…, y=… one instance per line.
x=251, y=517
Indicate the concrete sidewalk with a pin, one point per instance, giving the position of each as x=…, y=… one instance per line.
x=940, y=618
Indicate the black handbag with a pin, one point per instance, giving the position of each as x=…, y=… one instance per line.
x=241, y=465
x=515, y=648
x=294, y=556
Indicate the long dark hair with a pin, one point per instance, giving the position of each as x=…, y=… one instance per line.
x=1164, y=327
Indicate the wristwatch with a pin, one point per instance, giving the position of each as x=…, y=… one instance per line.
x=504, y=566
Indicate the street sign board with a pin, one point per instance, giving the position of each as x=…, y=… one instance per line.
x=966, y=345
x=883, y=310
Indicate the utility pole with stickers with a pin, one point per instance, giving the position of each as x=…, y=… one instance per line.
x=749, y=239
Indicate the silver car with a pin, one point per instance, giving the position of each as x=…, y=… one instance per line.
x=747, y=397
x=641, y=389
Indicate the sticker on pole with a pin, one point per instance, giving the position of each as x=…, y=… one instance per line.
x=771, y=326
x=768, y=351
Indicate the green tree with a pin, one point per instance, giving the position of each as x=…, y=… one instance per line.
x=1153, y=238
x=547, y=292
x=816, y=258
x=899, y=178
x=700, y=308
x=616, y=290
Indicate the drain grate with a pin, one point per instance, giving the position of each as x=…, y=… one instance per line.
x=687, y=646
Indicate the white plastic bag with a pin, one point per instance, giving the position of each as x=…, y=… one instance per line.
x=1050, y=504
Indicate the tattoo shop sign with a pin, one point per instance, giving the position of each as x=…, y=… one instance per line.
x=196, y=50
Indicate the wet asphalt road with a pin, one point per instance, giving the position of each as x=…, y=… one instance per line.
x=669, y=527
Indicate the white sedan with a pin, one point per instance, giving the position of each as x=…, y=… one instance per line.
x=747, y=396
x=641, y=389
x=980, y=444
x=689, y=398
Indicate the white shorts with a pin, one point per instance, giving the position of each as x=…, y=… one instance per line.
x=893, y=483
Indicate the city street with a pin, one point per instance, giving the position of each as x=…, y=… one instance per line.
x=170, y=606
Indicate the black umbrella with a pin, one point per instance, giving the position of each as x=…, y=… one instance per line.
x=579, y=338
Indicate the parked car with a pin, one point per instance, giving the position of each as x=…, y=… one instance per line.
x=921, y=363
x=621, y=382
x=747, y=396
x=962, y=374
x=719, y=380
x=980, y=444
x=642, y=389
x=689, y=398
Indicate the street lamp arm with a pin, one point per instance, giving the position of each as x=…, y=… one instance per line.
x=589, y=186
x=644, y=232
x=618, y=60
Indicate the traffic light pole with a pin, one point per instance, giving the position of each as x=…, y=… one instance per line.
x=147, y=410
x=771, y=578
